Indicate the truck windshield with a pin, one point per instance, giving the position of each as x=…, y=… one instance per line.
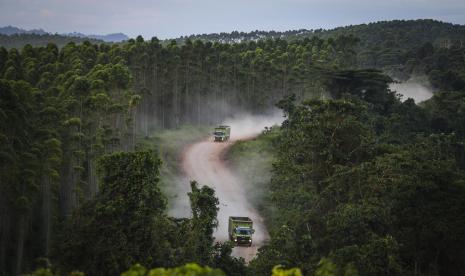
x=218, y=133
x=243, y=231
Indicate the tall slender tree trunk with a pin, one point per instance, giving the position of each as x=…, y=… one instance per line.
x=163, y=107
x=5, y=234
x=155, y=95
x=198, y=103
x=211, y=87
x=249, y=80
x=235, y=88
x=284, y=83
x=144, y=117
x=176, y=99
x=162, y=112
x=252, y=100
x=187, y=96
x=20, y=243
x=134, y=126
x=78, y=160
x=46, y=214
x=91, y=177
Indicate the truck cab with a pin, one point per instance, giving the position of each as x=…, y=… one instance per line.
x=222, y=133
x=241, y=230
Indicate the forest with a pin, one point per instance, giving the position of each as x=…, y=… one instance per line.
x=381, y=44
x=373, y=183
x=18, y=41
x=364, y=182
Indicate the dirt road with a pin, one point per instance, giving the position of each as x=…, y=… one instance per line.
x=204, y=162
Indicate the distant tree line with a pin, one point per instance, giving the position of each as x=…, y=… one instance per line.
x=18, y=41
x=383, y=44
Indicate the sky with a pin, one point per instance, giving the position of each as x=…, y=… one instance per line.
x=173, y=18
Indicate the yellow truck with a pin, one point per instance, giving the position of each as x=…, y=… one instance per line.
x=222, y=133
x=241, y=230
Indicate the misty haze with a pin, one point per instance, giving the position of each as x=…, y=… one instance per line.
x=418, y=89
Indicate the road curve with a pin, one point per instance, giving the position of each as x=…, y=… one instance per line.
x=204, y=162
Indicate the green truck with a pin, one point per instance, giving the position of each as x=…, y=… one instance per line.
x=240, y=230
x=222, y=133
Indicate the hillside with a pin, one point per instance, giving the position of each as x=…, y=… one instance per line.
x=382, y=44
x=405, y=33
x=115, y=37
x=11, y=30
x=20, y=40
x=14, y=37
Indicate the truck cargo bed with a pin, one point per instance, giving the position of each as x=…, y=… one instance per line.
x=245, y=219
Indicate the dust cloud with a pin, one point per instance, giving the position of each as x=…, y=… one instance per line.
x=245, y=126
x=204, y=162
x=417, y=88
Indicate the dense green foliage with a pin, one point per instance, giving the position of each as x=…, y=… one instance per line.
x=123, y=224
x=60, y=111
x=382, y=44
x=201, y=83
x=443, y=66
x=126, y=223
x=191, y=269
x=197, y=82
x=362, y=183
x=370, y=182
x=407, y=32
x=188, y=270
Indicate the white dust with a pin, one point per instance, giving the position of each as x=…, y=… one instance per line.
x=417, y=88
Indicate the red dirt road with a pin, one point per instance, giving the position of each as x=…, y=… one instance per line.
x=203, y=162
